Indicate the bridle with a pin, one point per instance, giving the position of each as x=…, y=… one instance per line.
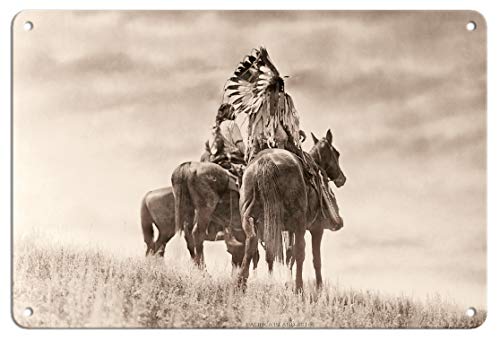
x=328, y=164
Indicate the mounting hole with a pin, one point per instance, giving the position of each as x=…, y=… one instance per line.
x=471, y=26
x=28, y=26
x=470, y=312
x=27, y=312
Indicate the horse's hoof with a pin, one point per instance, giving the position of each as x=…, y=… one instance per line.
x=299, y=289
x=242, y=283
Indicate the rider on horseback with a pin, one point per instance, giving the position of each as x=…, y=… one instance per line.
x=226, y=145
x=226, y=149
x=257, y=89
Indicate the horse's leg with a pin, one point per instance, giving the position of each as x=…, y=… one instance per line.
x=300, y=245
x=234, y=247
x=250, y=248
x=237, y=259
x=316, y=236
x=189, y=239
x=199, y=233
x=147, y=228
x=237, y=252
x=270, y=258
x=161, y=242
x=256, y=256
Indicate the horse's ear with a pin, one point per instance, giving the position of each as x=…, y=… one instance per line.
x=329, y=136
x=315, y=140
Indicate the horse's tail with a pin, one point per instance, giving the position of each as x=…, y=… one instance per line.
x=184, y=209
x=267, y=183
x=147, y=225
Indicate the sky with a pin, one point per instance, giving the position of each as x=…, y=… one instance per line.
x=106, y=104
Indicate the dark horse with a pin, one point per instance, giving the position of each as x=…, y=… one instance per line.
x=276, y=197
x=158, y=209
x=207, y=202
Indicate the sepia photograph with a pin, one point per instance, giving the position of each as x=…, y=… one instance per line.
x=249, y=169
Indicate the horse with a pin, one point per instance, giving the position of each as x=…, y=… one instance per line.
x=275, y=197
x=205, y=191
x=157, y=208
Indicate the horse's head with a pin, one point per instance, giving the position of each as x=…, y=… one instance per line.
x=327, y=157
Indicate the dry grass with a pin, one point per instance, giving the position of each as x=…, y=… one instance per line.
x=71, y=287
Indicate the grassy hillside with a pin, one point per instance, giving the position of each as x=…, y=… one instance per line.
x=72, y=287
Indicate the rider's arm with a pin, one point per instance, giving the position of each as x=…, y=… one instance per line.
x=237, y=138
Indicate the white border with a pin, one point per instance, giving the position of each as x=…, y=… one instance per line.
x=488, y=9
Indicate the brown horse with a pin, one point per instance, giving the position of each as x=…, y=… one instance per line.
x=157, y=208
x=207, y=202
x=276, y=197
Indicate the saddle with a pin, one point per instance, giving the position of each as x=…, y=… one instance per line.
x=233, y=163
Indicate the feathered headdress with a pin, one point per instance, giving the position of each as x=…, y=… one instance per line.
x=253, y=77
x=257, y=89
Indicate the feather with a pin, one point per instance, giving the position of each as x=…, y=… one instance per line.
x=233, y=86
x=265, y=69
